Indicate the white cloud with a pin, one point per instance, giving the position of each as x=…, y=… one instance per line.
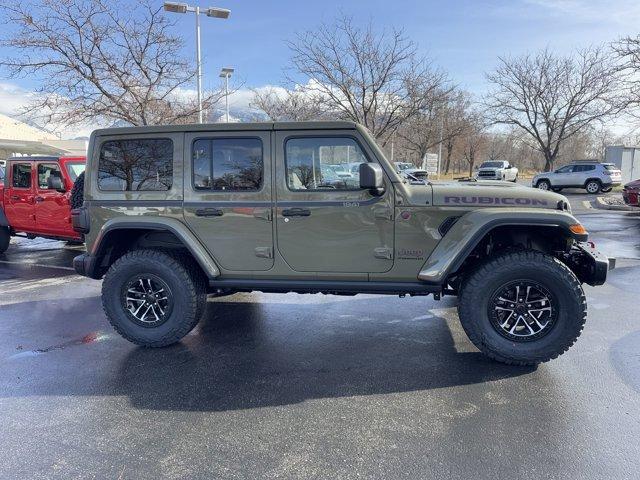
x=622, y=12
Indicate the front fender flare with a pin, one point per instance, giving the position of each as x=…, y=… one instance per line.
x=174, y=226
x=471, y=228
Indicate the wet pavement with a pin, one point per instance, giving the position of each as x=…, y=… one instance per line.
x=295, y=386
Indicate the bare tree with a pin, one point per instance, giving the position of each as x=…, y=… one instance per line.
x=627, y=51
x=475, y=140
x=377, y=80
x=288, y=105
x=101, y=61
x=422, y=132
x=553, y=98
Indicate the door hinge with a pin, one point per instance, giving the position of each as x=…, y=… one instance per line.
x=264, y=252
x=264, y=214
x=383, y=253
x=385, y=213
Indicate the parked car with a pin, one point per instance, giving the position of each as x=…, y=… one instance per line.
x=34, y=201
x=631, y=193
x=497, y=170
x=410, y=171
x=165, y=226
x=593, y=176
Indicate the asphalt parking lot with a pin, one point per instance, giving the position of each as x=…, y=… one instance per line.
x=293, y=386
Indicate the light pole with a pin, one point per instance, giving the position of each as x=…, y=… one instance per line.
x=226, y=73
x=214, y=12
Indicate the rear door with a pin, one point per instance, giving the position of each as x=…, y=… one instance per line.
x=52, y=209
x=20, y=199
x=325, y=222
x=227, y=197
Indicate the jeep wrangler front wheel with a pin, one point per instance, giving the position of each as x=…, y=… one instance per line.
x=522, y=307
x=153, y=298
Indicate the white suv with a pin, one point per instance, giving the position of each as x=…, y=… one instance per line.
x=594, y=177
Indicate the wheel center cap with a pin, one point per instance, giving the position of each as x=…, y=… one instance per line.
x=521, y=309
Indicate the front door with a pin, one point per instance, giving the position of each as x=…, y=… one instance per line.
x=563, y=177
x=227, y=197
x=325, y=221
x=53, y=212
x=19, y=203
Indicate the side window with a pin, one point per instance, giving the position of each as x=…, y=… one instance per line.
x=227, y=164
x=21, y=177
x=567, y=169
x=589, y=168
x=323, y=163
x=46, y=170
x=136, y=165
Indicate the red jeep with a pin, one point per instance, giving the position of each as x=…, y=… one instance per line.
x=631, y=193
x=34, y=200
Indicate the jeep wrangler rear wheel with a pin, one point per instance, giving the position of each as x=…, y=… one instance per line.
x=153, y=298
x=522, y=307
x=5, y=239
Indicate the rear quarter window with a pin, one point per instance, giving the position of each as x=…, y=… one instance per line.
x=144, y=164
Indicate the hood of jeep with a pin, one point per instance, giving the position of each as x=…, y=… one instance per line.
x=483, y=194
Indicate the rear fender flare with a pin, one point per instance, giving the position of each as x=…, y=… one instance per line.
x=470, y=229
x=188, y=239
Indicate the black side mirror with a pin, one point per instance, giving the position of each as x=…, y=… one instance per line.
x=372, y=178
x=55, y=183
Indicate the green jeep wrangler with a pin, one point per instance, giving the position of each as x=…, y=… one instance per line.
x=174, y=213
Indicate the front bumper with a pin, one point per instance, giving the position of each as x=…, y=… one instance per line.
x=590, y=265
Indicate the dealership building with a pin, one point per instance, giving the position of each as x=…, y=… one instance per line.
x=626, y=158
x=18, y=138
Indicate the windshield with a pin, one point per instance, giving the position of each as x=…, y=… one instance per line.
x=492, y=165
x=403, y=166
x=75, y=169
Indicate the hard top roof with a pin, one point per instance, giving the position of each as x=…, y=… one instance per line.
x=45, y=158
x=229, y=127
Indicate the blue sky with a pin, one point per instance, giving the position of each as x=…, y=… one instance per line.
x=464, y=38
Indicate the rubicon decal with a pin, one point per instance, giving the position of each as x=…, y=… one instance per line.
x=460, y=200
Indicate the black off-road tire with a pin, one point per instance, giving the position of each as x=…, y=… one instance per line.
x=480, y=286
x=185, y=281
x=5, y=239
x=77, y=192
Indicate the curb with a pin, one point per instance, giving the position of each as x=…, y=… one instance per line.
x=600, y=203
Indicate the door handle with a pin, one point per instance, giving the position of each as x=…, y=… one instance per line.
x=209, y=212
x=15, y=197
x=39, y=199
x=296, y=212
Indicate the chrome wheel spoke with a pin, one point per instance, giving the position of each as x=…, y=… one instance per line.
x=522, y=310
x=148, y=300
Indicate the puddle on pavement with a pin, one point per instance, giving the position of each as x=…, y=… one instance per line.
x=90, y=338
